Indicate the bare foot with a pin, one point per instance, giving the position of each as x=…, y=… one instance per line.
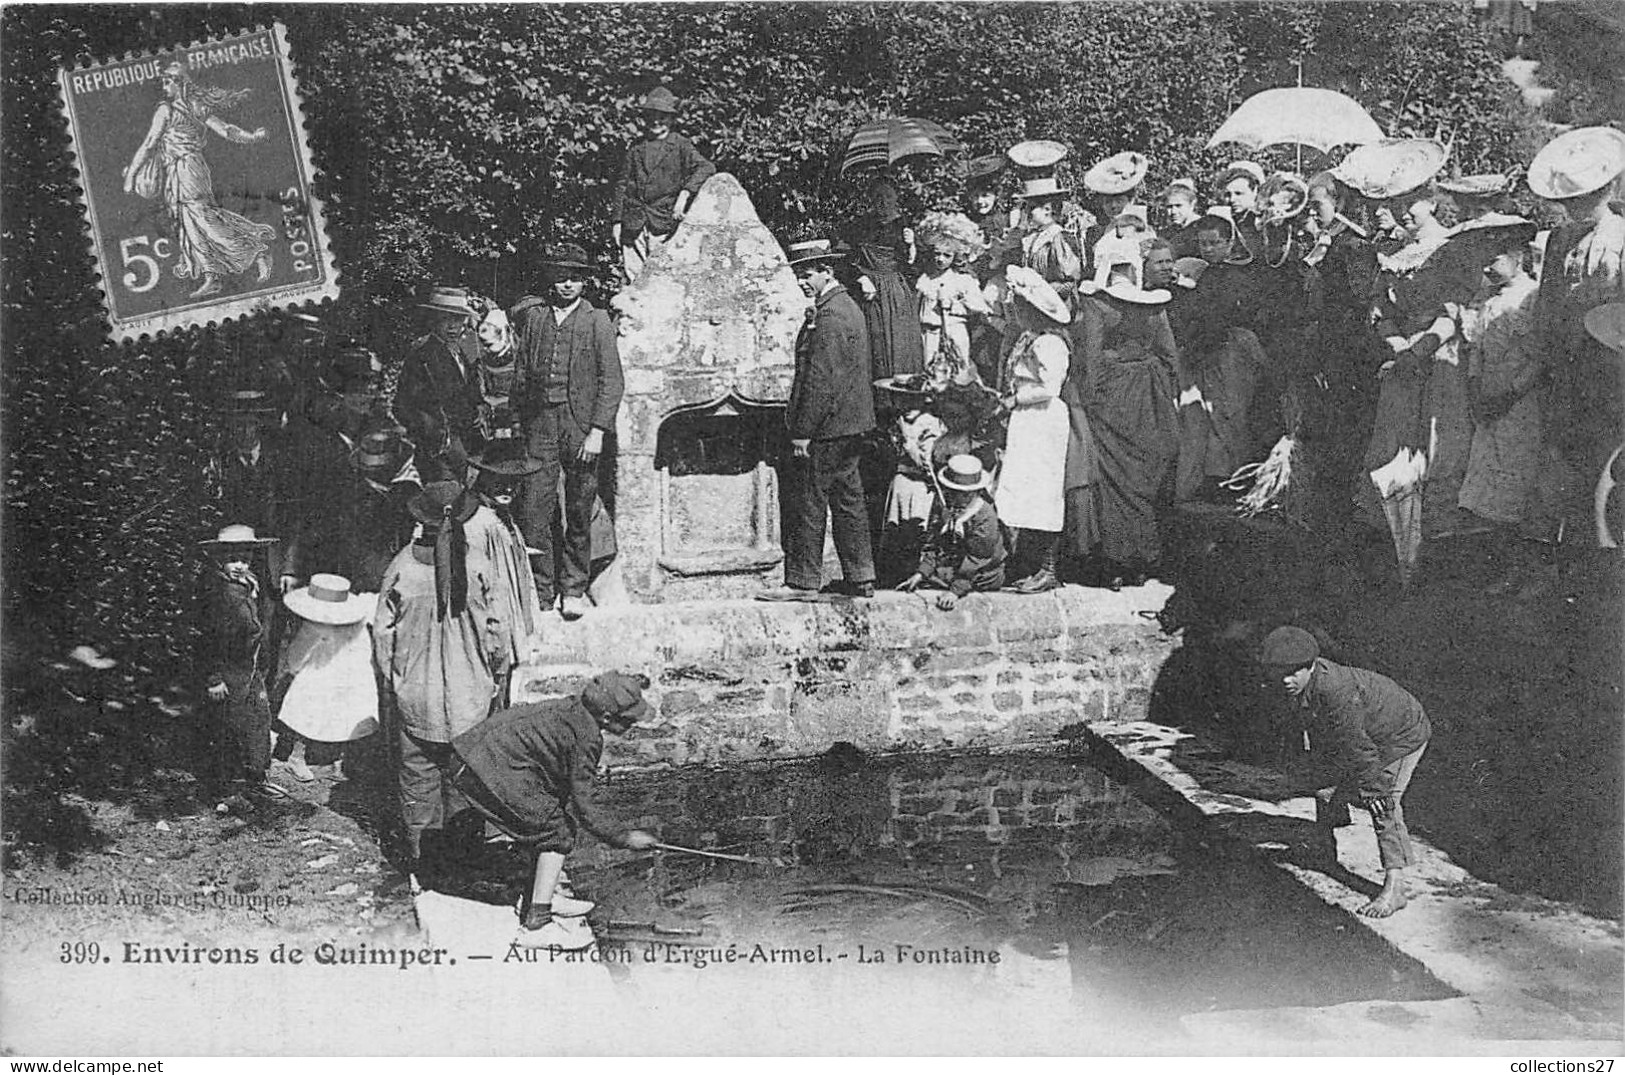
x=262, y=266
x=1387, y=902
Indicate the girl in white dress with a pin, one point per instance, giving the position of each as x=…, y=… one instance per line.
x=333, y=696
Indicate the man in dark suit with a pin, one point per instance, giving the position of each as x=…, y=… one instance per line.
x=567, y=389
x=662, y=174
x=831, y=409
x=438, y=398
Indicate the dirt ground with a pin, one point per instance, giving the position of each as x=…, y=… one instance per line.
x=1521, y=786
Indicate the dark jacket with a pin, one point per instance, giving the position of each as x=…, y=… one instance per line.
x=586, y=341
x=654, y=174
x=968, y=561
x=833, y=393
x=437, y=399
x=233, y=642
x=538, y=759
x=1364, y=721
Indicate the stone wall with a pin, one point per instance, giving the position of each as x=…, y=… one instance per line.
x=738, y=680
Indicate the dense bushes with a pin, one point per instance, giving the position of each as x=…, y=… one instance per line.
x=456, y=140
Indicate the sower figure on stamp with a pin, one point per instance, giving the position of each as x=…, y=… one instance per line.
x=660, y=178
x=1372, y=731
x=530, y=771
x=831, y=410
x=566, y=392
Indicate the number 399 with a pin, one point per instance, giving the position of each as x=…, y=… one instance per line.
x=80, y=952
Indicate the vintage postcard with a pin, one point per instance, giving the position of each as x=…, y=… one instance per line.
x=197, y=183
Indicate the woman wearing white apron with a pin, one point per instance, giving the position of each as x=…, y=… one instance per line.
x=333, y=696
x=1032, y=476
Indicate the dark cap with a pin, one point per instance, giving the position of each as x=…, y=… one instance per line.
x=617, y=694
x=1288, y=647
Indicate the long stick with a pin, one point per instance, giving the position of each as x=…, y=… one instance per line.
x=712, y=854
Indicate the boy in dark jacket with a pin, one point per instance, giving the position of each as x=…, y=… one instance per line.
x=530, y=770
x=966, y=555
x=1374, y=731
x=660, y=177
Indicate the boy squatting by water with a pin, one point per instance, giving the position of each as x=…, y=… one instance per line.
x=1375, y=732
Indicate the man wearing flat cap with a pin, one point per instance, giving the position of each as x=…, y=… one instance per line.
x=831, y=410
x=1371, y=730
x=661, y=176
x=566, y=391
x=530, y=771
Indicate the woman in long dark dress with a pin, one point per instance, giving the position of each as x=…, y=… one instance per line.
x=881, y=252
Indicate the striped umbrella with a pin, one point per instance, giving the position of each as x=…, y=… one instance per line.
x=887, y=140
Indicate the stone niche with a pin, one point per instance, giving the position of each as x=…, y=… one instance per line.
x=707, y=341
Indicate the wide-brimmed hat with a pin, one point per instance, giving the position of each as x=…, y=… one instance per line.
x=1606, y=324
x=1288, y=647
x=1391, y=168
x=1577, y=162
x=964, y=473
x=659, y=99
x=1126, y=290
x=984, y=171
x=1117, y=174
x=237, y=534
x=905, y=384
x=1518, y=230
x=506, y=457
x=813, y=250
x=448, y=300
x=1475, y=186
x=381, y=451
x=1242, y=170
x=565, y=256
x=327, y=599
x=1036, y=292
x=442, y=501
x=618, y=694
x=1037, y=153
x=1042, y=186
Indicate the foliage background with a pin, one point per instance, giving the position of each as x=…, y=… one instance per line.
x=456, y=140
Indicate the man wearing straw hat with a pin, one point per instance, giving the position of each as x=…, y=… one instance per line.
x=438, y=397
x=1584, y=268
x=831, y=410
x=661, y=176
x=566, y=393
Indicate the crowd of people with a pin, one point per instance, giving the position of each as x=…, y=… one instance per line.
x=1004, y=397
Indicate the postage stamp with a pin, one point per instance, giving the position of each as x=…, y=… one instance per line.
x=197, y=183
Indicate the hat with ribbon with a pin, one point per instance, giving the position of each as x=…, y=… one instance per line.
x=237, y=534
x=617, y=694
x=1037, y=153
x=1577, y=162
x=813, y=250
x=659, y=99
x=964, y=473
x=1392, y=167
x=327, y=599
x=448, y=300
x=1042, y=187
x=1117, y=174
x=381, y=452
x=1036, y=292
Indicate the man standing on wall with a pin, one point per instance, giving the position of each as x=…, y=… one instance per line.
x=566, y=392
x=661, y=176
x=831, y=409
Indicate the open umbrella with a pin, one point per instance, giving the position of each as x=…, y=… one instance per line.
x=1298, y=115
x=887, y=140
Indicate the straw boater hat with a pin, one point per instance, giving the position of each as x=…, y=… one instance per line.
x=237, y=534
x=1475, y=186
x=1606, y=323
x=964, y=473
x=1391, y=168
x=813, y=250
x=1037, y=153
x=1036, y=292
x=1042, y=187
x=1577, y=162
x=1117, y=174
x=448, y=300
x=1125, y=289
x=659, y=99
x=327, y=599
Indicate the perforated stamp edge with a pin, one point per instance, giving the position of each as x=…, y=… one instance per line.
x=215, y=312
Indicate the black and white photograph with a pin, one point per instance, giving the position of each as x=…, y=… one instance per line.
x=803, y=529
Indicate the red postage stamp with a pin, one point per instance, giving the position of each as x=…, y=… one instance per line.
x=197, y=183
